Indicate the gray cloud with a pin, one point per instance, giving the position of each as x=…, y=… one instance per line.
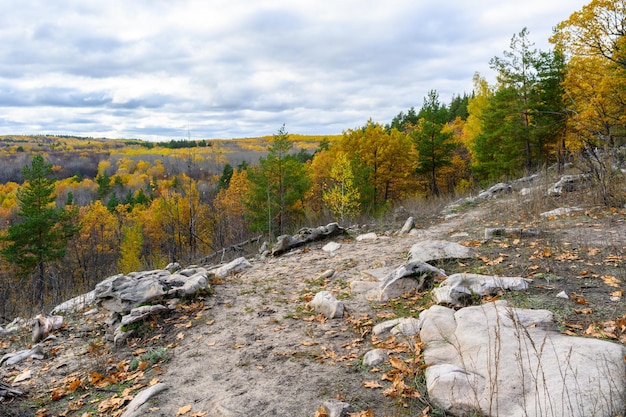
x=153, y=69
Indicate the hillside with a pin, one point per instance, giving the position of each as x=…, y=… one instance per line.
x=254, y=346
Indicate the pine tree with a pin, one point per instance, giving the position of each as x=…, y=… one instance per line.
x=41, y=235
x=277, y=187
x=434, y=144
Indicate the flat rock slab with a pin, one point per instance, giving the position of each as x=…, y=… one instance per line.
x=431, y=250
x=458, y=288
x=496, y=360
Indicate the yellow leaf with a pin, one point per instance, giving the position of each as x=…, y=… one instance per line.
x=154, y=381
x=617, y=293
x=211, y=344
x=305, y=343
x=180, y=336
x=183, y=410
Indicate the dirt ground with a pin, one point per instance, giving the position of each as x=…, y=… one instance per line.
x=254, y=347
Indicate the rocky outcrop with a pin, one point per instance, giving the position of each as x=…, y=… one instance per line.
x=306, y=235
x=569, y=183
x=497, y=360
x=121, y=293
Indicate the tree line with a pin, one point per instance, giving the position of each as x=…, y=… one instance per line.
x=546, y=107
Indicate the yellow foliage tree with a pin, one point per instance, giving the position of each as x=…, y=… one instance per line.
x=230, y=210
x=342, y=197
x=130, y=249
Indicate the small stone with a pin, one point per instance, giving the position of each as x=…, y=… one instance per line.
x=336, y=408
x=26, y=375
x=375, y=357
x=327, y=274
x=331, y=247
x=562, y=294
x=367, y=236
x=408, y=225
x=326, y=303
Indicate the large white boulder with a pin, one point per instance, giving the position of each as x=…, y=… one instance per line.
x=496, y=360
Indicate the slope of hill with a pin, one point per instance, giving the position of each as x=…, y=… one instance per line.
x=254, y=346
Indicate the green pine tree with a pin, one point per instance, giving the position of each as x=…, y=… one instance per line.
x=434, y=145
x=277, y=188
x=43, y=230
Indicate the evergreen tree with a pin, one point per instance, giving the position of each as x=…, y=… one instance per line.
x=434, y=144
x=277, y=187
x=227, y=173
x=42, y=234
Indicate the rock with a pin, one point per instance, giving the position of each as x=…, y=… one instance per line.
x=336, y=408
x=232, y=267
x=458, y=288
x=562, y=294
x=306, y=235
x=327, y=274
x=43, y=325
x=331, y=247
x=121, y=293
x=173, y=267
x=24, y=376
x=492, y=232
x=407, y=327
x=375, y=357
x=411, y=276
x=138, y=314
x=430, y=250
x=561, y=211
x=326, y=303
x=569, y=183
x=494, y=190
x=497, y=359
x=12, y=358
x=459, y=235
x=367, y=236
x=75, y=304
x=383, y=329
x=133, y=408
x=408, y=225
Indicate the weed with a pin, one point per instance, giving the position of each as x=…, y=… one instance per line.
x=152, y=357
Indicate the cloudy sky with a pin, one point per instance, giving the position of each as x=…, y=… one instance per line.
x=163, y=69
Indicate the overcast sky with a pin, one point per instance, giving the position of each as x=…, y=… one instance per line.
x=166, y=69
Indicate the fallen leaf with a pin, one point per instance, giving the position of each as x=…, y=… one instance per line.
x=617, y=293
x=211, y=344
x=587, y=310
x=611, y=281
x=210, y=322
x=321, y=412
x=579, y=299
x=183, y=410
x=399, y=364
x=372, y=384
x=305, y=343
x=154, y=381
x=180, y=336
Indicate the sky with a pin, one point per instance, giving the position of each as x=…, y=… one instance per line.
x=208, y=69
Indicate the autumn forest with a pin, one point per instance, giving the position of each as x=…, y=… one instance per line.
x=116, y=206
